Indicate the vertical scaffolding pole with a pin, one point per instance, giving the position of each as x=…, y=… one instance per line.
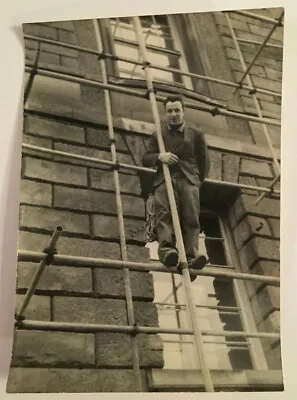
x=198, y=342
x=256, y=101
x=128, y=291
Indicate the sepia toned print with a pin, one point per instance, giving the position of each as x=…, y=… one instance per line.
x=149, y=225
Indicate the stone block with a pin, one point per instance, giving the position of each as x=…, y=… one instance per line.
x=138, y=254
x=37, y=348
x=55, y=130
x=39, y=307
x=272, y=108
x=84, y=200
x=249, y=227
x=271, y=323
x=70, y=62
x=257, y=249
x=41, y=30
x=67, y=37
x=100, y=138
x=266, y=268
x=240, y=25
x=269, y=300
x=82, y=151
x=146, y=314
x=55, y=172
x=255, y=168
x=64, y=380
x=110, y=283
x=104, y=180
x=232, y=53
x=56, y=278
x=48, y=219
x=108, y=227
x=96, y=201
x=245, y=205
x=39, y=142
x=230, y=167
x=248, y=180
x=115, y=350
x=273, y=74
x=65, y=25
x=274, y=358
x=267, y=84
x=70, y=246
x=89, y=310
x=37, y=193
x=62, y=51
x=262, y=31
x=215, y=165
x=275, y=227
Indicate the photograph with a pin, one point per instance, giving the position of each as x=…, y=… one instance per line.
x=148, y=254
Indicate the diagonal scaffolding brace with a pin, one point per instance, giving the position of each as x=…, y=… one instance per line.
x=247, y=70
x=257, y=106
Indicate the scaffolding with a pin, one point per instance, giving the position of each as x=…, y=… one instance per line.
x=49, y=255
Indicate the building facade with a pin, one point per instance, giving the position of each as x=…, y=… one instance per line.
x=237, y=236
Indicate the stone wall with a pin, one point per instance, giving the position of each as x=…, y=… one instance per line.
x=70, y=117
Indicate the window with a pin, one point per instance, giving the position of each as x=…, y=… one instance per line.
x=162, y=45
x=221, y=305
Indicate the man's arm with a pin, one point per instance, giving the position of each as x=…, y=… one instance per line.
x=202, y=156
x=152, y=157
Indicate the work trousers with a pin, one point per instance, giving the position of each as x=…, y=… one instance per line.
x=188, y=206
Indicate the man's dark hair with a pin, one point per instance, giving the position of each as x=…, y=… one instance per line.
x=174, y=97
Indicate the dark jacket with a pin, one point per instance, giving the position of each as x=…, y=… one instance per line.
x=192, y=152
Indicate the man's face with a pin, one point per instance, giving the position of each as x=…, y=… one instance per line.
x=174, y=113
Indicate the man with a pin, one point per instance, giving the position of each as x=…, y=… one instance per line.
x=188, y=161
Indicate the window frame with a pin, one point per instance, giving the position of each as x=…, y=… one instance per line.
x=245, y=313
x=186, y=81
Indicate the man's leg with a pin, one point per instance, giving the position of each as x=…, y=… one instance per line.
x=190, y=211
x=164, y=226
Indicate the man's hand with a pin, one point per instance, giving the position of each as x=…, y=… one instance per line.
x=168, y=158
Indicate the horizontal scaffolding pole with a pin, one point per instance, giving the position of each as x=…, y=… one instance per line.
x=154, y=66
x=234, y=345
x=136, y=168
x=256, y=16
x=66, y=260
x=115, y=88
x=95, y=328
x=276, y=46
x=220, y=309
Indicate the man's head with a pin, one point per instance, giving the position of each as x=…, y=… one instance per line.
x=174, y=108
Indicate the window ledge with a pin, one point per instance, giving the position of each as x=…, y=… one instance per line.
x=165, y=380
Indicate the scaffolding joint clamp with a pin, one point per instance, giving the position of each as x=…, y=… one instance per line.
x=116, y=166
x=134, y=331
x=146, y=64
x=147, y=94
x=112, y=140
x=215, y=111
x=101, y=56
x=49, y=255
x=18, y=319
x=253, y=91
